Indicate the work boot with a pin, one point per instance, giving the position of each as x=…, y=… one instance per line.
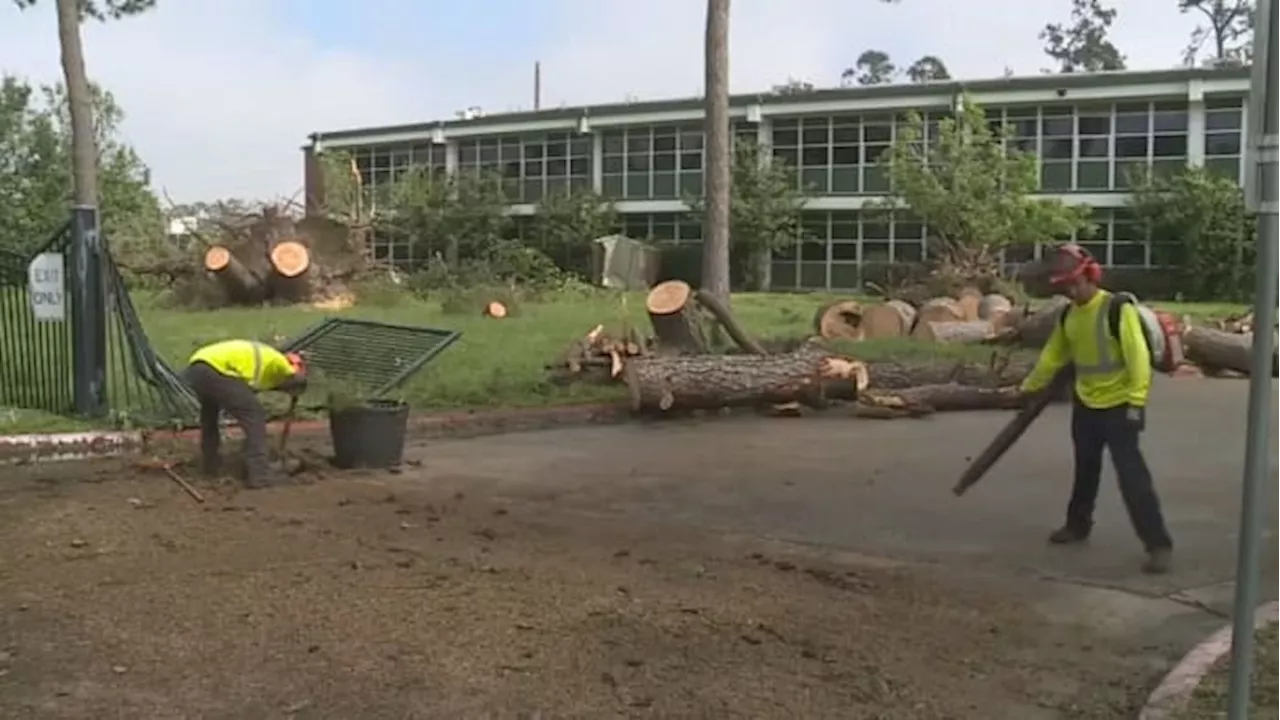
x=259, y=478
x=1158, y=561
x=1067, y=535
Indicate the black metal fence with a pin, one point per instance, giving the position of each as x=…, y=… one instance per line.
x=71, y=341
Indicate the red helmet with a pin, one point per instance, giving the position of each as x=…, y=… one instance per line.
x=1071, y=262
x=298, y=363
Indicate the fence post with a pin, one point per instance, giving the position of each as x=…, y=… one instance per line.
x=88, y=314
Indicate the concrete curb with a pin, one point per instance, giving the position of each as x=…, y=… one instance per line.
x=48, y=447
x=1172, y=694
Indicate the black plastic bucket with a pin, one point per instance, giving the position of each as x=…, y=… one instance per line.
x=369, y=434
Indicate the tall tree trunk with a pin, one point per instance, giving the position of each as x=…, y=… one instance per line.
x=715, y=222
x=84, y=154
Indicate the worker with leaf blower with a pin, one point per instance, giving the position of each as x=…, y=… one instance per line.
x=227, y=376
x=1113, y=343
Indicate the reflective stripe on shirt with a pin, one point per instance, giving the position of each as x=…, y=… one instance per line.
x=1102, y=339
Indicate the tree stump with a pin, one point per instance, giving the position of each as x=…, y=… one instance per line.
x=674, y=316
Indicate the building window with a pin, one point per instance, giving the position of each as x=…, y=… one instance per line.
x=1093, y=148
x=1223, y=142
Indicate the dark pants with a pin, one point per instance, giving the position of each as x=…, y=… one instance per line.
x=218, y=392
x=1091, y=431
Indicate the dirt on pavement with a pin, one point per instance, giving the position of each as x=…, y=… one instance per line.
x=385, y=595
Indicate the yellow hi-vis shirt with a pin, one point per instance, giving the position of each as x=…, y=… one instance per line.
x=1108, y=373
x=258, y=364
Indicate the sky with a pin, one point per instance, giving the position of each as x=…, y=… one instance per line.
x=220, y=95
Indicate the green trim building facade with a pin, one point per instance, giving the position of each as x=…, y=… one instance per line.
x=1088, y=130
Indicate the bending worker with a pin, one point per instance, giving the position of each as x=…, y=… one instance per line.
x=1112, y=379
x=227, y=376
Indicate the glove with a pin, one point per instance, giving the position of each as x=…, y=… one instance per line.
x=1136, y=417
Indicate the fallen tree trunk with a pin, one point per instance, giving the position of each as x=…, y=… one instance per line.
x=736, y=332
x=1217, y=350
x=1033, y=330
x=946, y=398
x=673, y=312
x=893, y=319
x=239, y=282
x=708, y=382
x=1000, y=371
x=956, y=332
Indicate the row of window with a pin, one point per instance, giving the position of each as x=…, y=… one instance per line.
x=839, y=249
x=1082, y=148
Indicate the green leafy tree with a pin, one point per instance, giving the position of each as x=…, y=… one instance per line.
x=873, y=67
x=765, y=210
x=76, y=79
x=1200, y=229
x=33, y=192
x=1230, y=27
x=975, y=194
x=1082, y=45
x=36, y=171
x=462, y=217
x=566, y=223
x=928, y=69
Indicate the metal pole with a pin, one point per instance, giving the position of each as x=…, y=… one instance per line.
x=88, y=315
x=1263, y=198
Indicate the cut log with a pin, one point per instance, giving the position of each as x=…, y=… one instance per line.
x=217, y=258
x=996, y=308
x=956, y=332
x=938, y=310
x=839, y=319
x=674, y=316
x=290, y=258
x=1011, y=433
x=969, y=300
x=495, y=310
x=894, y=318
x=1218, y=350
x=238, y=282
x=730, y=324
x=1000, y=371
x=706, y=382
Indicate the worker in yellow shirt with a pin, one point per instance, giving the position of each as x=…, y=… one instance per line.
x=227, y=375
x=1112, y=378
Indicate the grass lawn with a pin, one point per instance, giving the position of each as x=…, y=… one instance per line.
x=496, y=363
x=1210, y=699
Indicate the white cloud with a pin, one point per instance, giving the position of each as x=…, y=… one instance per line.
x=220, y=94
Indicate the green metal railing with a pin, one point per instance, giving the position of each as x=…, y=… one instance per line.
x=38, y=357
